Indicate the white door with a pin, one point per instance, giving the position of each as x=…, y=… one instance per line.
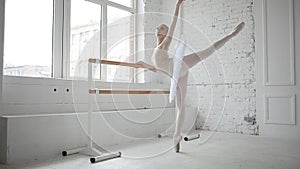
x=277, y=33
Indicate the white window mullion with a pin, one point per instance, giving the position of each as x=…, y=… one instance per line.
x=122, y=7
x=105, y=4
x=138, y=39
x=66, y=38
x=113, y=4
x=57, y=42
x=103, y=41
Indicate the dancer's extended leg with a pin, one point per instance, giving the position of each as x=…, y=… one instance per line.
x=194, y=58
x=180, y=104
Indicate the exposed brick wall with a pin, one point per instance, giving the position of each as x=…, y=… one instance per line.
x=225, y=82
x=222, y=86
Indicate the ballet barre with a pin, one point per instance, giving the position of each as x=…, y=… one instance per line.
x=109, y=62
x=96, y=154
x=101, y=91
x=118, y=91
x=186, y=138
x=161, y=135
x=192, y=137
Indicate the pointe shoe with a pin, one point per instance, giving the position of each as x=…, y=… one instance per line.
x=177, y=147
x=238, y=28
x=177, y=144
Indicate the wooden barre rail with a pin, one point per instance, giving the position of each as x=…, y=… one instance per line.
x=134, y=65
x=97, y=91
x=109, y=62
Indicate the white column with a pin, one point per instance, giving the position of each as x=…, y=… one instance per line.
x=2, y=12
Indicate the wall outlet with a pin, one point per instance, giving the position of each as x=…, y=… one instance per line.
x=249, y=119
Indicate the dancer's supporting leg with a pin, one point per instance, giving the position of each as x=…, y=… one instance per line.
x=194, y=58
x=180, y=104
x=190, y=61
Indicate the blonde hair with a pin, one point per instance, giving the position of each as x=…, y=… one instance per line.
x=164, y=25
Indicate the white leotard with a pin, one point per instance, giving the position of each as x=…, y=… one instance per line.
x=174, y=68
x=161, y=60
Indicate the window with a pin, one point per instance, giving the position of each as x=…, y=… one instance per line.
x=105, y=30
x=54, y=38
x=28, y=38
x=85, y=36
x=120, y=44
x=128, y=3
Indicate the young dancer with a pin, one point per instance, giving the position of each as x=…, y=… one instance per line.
x=162, y=61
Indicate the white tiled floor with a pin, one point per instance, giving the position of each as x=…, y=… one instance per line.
x=222, y=150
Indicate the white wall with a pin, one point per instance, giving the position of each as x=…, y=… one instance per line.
x=30, y=96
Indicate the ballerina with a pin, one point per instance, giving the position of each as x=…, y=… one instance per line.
x=162, y=61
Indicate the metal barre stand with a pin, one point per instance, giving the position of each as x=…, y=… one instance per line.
x=97, y=155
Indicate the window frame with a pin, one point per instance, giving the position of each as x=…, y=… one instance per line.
x=64, y=71
x=2, y=42
x=58, y=42
x=61, y=28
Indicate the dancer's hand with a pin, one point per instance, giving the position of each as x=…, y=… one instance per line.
x=145, y=65
x=152, y=68
x=179, y=2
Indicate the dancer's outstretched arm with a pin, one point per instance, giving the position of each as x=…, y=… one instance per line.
x=145, y=65
x=167, y=41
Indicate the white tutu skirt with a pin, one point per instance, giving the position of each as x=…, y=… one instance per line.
x=178, y=69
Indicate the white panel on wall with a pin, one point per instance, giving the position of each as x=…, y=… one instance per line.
x=280, y=110
x=279, y=62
